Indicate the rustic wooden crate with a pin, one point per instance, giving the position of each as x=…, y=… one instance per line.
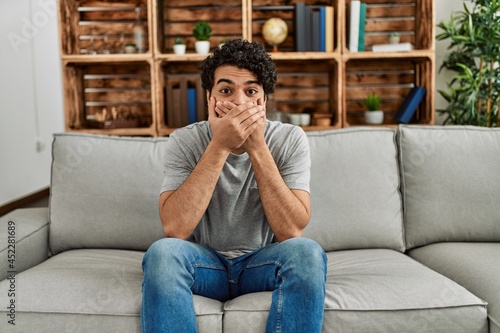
x=98, y=25
x=392, y=79
x=174, y=80
x=262, y=10
x=412, y=19
x=306, y=86
x=177, y=18
x=126, y=86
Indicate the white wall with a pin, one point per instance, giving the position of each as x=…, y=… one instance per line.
x=31, y=106
x=31, y=91
x=443, y=12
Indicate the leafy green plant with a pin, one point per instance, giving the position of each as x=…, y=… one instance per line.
x=473, y=93
x=372, y=102
x=178, y=41
x=202, y=31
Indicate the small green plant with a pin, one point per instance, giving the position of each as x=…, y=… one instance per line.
x=202, y=31
x=178, y=41
x=372, y=102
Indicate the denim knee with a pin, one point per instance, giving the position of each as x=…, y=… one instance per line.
x=307, y=256
x=163, y=253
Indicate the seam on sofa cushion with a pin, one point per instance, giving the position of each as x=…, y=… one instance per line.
x=19, y=240
x=402, y=188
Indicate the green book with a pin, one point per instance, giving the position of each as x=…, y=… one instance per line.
x=362, y=22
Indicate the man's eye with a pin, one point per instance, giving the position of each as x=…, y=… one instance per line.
x=225, y=91
x=252, y=91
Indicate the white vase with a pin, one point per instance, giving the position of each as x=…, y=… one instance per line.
x=202, y=46
x=179, y=48
x=374, y=117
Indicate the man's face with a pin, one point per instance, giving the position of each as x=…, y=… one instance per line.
x=236, y=85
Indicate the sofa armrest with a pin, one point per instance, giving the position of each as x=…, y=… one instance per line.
x=24, y=235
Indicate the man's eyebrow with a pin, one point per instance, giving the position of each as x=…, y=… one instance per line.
x=228, y=81
x=225, y=80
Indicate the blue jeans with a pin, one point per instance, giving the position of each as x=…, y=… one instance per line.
x=174, y=269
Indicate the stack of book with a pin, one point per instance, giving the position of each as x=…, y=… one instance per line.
x=185, y=103
x=314, y=28
x=357, y=25
x=357, y=22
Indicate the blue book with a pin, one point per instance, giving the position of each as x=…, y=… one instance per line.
x=410, y=105
x=322, y=28
x=362, y=22
x=191, y=103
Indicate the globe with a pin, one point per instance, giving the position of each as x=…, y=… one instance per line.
x=274, y=32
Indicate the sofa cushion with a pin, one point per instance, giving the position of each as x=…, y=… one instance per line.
x=378, y=290
x=450, y=184
x=89, y=291
x=355, y=196
x=475, y=266
x=24, y=235
x=104, y=192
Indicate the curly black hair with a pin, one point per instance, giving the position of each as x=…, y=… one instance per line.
x=242, y=54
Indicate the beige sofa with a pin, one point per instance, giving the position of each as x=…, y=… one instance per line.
x=409, y=218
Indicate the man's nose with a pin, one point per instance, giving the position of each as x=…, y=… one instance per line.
x=239, y=98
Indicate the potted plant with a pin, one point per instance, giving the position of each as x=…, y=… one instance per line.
x=179, y=46
x=473, y=94
x=374, y=115
x=394, y=37
x=202, y=32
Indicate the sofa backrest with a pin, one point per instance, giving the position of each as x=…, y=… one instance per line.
x=104, y=192
x=451, y=184
x=355, y=198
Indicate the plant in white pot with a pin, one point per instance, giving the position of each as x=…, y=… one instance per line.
x=374, y=115
x=202, y=32
x=179, y=46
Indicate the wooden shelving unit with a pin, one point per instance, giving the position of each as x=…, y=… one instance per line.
x=142, y=86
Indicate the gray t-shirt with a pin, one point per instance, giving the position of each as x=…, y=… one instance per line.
x=234, y=222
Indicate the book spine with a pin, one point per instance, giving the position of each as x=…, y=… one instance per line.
x=300, y=27
x=183, y=110
x=322, y=29
x=401, y=47
x=330, y=29
x=410, y=105
x=362, y=23
x=315, y=30
x=191, y=103
x=354, y=25
x=169, y=96
x=307, y=28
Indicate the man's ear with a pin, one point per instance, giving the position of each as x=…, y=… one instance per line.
x=208, y=96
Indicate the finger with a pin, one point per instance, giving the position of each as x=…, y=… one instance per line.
x=228, y=107
x=254, y=118
x=211, y=108
x=222, y=108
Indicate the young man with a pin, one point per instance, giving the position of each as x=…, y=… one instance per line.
x=234, y=202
